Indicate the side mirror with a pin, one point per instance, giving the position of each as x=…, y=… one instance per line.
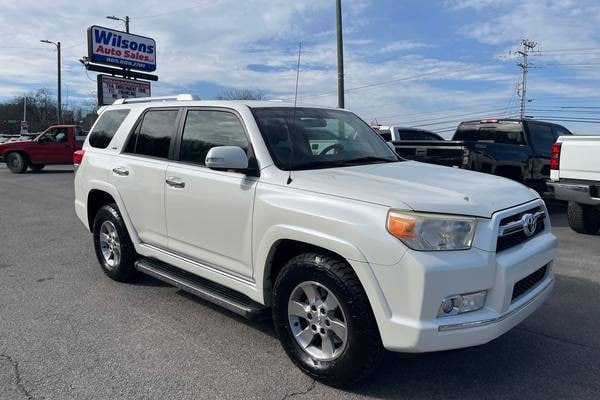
x=227, y=157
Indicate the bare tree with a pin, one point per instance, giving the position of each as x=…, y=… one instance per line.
x=240, y=94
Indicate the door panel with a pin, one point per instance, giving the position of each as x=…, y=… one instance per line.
x=139, y=173
x=140, y=183
x=54, y=148
x=209, y=213
x=209, y=219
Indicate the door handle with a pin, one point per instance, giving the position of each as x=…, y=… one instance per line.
x=175, y=182
x=121, y=171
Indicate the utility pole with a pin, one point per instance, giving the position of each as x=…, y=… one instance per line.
x=59, y=104
x=126, y=20
x=59, y=85
x=527, y=46
x=340, y=53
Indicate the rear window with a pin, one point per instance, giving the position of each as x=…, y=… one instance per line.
x=106, y=127
x=502, y=132
x=418, y=135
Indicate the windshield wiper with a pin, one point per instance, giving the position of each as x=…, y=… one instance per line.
x=368, y=159
x=317, y=164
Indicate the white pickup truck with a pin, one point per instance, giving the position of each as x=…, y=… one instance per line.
x=350, y=248
x=575, y=177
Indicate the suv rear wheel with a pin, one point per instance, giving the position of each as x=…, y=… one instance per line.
x=16, y=163
x=114, y=248
x=324, y=320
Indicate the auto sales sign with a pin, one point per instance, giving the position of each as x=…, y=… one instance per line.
x=108, y=46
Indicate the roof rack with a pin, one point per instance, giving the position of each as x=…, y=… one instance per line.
x=179, y=97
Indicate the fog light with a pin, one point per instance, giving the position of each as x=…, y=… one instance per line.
x=462, y=303
x=447, y=306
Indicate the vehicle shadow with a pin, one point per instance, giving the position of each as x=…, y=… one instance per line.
x=553, y=354
x=147, y=280
x=558, y=213
x=49, y=172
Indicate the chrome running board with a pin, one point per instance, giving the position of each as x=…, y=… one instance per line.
x=227, y=298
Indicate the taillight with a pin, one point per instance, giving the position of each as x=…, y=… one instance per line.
x=78, y=157
x=555, y=157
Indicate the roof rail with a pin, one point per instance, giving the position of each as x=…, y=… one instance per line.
x=179, y=97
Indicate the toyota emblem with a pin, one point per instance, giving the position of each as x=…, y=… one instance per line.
x=529, y=224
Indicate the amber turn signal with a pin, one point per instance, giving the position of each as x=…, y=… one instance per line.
x=401, y=226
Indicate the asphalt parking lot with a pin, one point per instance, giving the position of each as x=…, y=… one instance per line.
x=69, y=332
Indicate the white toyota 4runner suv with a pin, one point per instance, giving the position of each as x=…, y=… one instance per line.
x=308, y=213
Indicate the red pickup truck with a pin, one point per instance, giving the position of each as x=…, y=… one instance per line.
x=55, y=145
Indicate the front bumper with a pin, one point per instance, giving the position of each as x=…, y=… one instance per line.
x=582, y=193
x=414, y=288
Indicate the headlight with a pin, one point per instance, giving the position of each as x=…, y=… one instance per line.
x=432, y=232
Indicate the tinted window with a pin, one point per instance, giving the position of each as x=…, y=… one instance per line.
x=418, y=135
x=385, y=134
x=506, y=133
x=207, y=129
x=153, y=136
x=541, y=136
x=106, y=127
x=560, y=131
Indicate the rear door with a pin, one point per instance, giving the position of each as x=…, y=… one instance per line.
x=139, y=172
x=209, y=213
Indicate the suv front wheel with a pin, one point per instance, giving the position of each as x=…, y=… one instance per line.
x=324, y=320
x=114, y=248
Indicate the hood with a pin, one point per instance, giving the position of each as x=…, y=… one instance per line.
x=418, y=186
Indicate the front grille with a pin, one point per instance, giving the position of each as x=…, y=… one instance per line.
x=528, y=283
x=517, y=236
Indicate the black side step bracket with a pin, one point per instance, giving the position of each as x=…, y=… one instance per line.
x=203, y=288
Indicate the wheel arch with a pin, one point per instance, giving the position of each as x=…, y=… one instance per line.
x=280, y=244
x=101, y=194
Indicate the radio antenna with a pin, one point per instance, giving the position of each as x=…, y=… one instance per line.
x=289, y=180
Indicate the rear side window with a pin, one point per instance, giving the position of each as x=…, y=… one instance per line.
x=106, y=127
x=207, y=129
x=541, y=136
x=560, y=131
x=153, y=135
x=386, y=134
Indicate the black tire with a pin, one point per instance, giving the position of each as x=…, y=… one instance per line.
x=37, y=167
x=123, y=269
x=583, y=218
x=16, y=163
x=363, y=349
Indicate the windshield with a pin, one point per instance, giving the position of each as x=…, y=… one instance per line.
x=320, y=138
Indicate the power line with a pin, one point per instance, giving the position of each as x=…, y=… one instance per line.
x=455, y=115
x=383, y=83
x=543, y=118
x=177, y=11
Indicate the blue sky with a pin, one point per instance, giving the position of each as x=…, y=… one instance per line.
x=425, y=63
